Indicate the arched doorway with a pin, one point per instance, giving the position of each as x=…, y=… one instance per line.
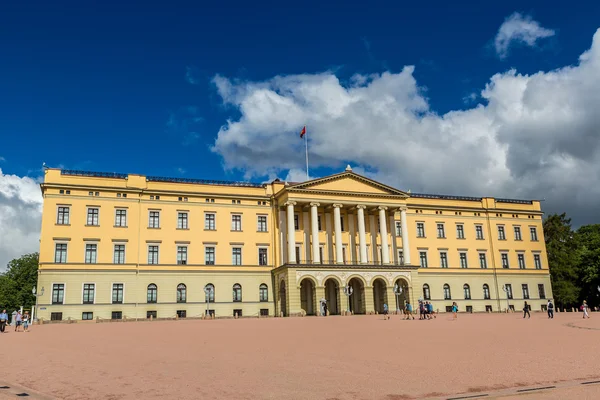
x=357, y=300
x=307, y=296
x=332, y=295
x=379, y=295
x=282, y=299
x=404, y=297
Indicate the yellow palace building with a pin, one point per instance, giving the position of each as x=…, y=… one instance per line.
x=117, y=246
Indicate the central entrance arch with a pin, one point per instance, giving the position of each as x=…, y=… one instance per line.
x=332, y=295
x=404, y=297
x=307, y=296
x=357, y=300
x=282, y=299
x=380, y=295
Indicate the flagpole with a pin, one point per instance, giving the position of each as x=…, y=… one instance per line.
x=306, y=143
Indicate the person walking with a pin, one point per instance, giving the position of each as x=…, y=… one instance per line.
x=385, y=311
x=550, y=308
x=584, y=308
x=526, y=310
x=26, y=321
x=3, y=321
x=430, y=310
x=409, y=311
x=18, y=321
x=455, y=310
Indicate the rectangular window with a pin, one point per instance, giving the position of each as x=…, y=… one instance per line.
x=460, y=231
x=463, y=260
x=443, y=259
x=398, y=228
x=479, y=232
x=63, y=216
x=154, y=219
x=119, y=256
x=342, y=223
x=296, y=222
x=116, y=315
x=482, y=261
x=236, y=222
x=423, y=258
x=533, y=232
x=525, y=291
x=182, y=255
x=517, y=233
x=501, y=234
x=87, y=316
x=58, y=293
x=60, y=253
x=420, y=229
x=209, y=222
x=504, y=260
x=262, y=256
x=92, y=216
x=321, y=254
x=262, y=223
x=541, y=291
x=182, y=220
x=181, y=313
x=209, y=255
x=298, y=259
x=117, y=294
x=91, y=252
x=56, y=316
x=121, y=218
x=537, y=261
x=236, y=256
x=88, y=293
x=508, y=288
x=264, y=312
x=153, y=254
x=319, y=223
x=440, y=231
x=151, y=314
x=521, y=258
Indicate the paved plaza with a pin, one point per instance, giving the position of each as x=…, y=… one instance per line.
x=360, y=357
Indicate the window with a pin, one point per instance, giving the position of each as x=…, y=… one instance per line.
x=486, y=291
x=426, y=292
x=117, y=293
x=342, y=223
x=88, y=293
x=237, y=292
x=447, y=294
x=262, y=256
x=153, y=254
x=181, y=293
x=501, y=234
x=423, y=258
x=209, y=293
x=87, y=316
x=181, y=255
x=56, y=316
x=262, y=223
x=319, y=223
x=92, y=216
x=63, y=216
x=119, y=256
x=504, y=260
x=460, y=231
x=401, y=257
x=151, y=314
x=541, y=291
x=508, y=289
x=91, y=252
x=443, y=259
x=296, y=222
x=482, y=261
x=236, y=256
x=60, y=253
x=533, y=232
x=521, y=258
x=440, y=231
x=537, y=261
x=181, y=313
x=463, y=260
x=209, y=255
x=154, y=219
x=182, y=220
x=236, y=222
x=263, y=291
x=467, y=291
x=525, y=289
x=398, y=228
x=58, y=293
x=517, y=233
x=237, y=313
x=116, y=315
x=479, y=232
x=420, y=229
x=121, y=218
x=209, y=222
x=320, y=253
x=152, y=293
x=264, y=312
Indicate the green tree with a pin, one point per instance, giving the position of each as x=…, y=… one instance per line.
x=18, y=280
x=588, y=239
x=563, y=259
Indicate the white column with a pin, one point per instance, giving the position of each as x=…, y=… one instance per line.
x=362, y=239
x=314, y=224
x=282, y=237
x=329, y=236
x=374, y=252
x=337, y=224
x=352, y=241
x=405, y=244
x=385, y=250
x=306, y=227
x=393, y=234
x=291, y=232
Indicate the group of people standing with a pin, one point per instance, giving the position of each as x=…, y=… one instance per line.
x=20, y=320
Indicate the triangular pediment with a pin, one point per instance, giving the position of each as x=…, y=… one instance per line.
x=348, y=182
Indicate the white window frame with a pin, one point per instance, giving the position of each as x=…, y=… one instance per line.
x=85, y=244
x=214, y=214
x=266, y=249
x=148, y=253
x=426, y=258
x=124, y=244
x=95, y=291
x=111, y=292
x=58, y=206
x=214, y=247
x=258, y=217
x=479, y=254
x=158, y=225
x=462, y=226
x=52, y=293
x=87, y=211
x=482, y=233
x=232, y=222
x=177, y=246
x=126, y=217
x=241, y=256
x=66, y=251
x=187, y=220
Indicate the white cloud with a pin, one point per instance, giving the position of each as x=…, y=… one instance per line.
x=181, y=171
x=519, y=28
x=2, y=159
x=20, y=217
x=534, y=136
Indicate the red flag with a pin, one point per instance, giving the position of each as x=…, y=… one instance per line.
x=303, y=132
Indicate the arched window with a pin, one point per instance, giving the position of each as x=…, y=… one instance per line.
x=263, y=292
x=426, y=292
x=181, y=293
x=486, y=292
x=209, y=292
x=467, y=291
x=447, y=294
x=237, y=292
x=152, y=293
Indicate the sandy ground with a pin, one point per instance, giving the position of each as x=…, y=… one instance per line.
x=361, y=357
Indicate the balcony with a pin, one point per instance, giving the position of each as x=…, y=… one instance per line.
x=348, y=264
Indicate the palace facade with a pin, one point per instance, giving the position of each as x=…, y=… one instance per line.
x=119, y=246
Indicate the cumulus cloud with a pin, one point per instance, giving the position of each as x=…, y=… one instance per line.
x=533, y=136
x=20, y=217
x=519, y=28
